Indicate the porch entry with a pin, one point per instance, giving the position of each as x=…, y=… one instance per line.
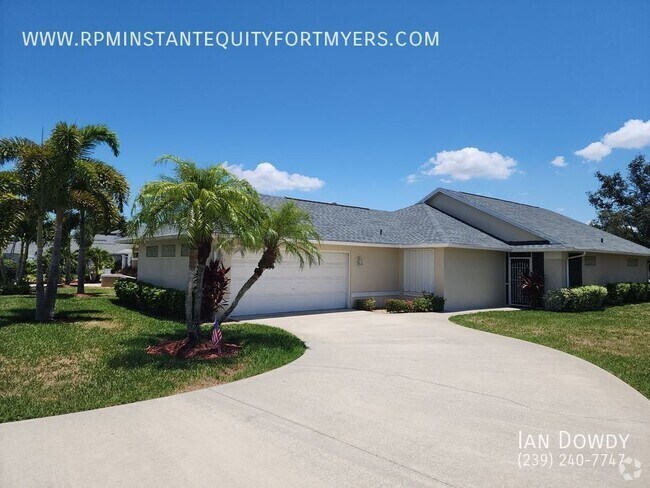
x=519, y=267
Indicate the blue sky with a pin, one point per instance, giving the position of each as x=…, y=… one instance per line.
x=529, y=82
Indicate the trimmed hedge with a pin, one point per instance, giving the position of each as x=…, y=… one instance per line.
x=367, y=304
x=15, y=289
x=578, y=299
x=394, y=305
x=622, y=293
x=428, y=302
x=166, y=302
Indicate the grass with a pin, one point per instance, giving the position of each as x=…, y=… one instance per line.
x=94, y=356
x=616, y=339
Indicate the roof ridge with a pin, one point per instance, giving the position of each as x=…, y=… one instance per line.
x=494, y=198
x=427, y=212
x=327, y=203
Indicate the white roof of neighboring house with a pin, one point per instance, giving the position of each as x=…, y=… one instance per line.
x=107, y=242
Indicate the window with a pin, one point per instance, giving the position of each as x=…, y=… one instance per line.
x=632, y=261
x=168, y=250
x=152, y=251
x=590, y=260
x=185, y=250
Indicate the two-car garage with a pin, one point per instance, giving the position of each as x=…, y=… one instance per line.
x=287, y=288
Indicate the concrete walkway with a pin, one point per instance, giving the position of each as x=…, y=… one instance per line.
x=377, y=400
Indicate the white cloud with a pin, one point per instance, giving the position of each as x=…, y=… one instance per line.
x=559, y=162
x=594, y=151
x=634, y=134
x=267, y=178
x=413, y=178
x=468, y=163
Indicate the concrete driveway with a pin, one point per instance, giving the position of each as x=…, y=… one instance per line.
x=377, y=400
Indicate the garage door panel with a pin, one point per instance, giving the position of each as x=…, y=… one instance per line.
x=287, y=288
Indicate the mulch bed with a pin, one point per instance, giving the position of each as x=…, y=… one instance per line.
x=200, y=350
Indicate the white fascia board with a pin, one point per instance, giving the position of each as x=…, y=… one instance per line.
x=411, y=246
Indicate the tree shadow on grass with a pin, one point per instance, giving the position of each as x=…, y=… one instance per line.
x=251, y=337
x=150, y=314
x=25, y=316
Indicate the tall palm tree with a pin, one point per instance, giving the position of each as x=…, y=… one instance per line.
x=99, y=198
x=71, y=150
x=286, y=230
x=52, y=171
x=33, y=166
x=12, y=211
x=200, y=203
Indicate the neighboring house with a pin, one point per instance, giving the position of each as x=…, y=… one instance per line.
x=113, y=243
x=468, y=248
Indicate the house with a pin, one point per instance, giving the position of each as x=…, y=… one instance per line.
x=113, y=243
x=471, y=249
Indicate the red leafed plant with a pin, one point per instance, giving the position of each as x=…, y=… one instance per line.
x=215, y=285
x=532, y=285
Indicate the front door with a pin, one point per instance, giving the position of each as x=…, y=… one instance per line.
x=519, y=267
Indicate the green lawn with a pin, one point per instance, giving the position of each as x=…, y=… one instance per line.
x=94, y=356
x=616, y=339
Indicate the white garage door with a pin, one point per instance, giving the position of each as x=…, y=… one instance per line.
x=287, y=288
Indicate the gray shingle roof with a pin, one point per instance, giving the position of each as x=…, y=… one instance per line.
x=558, y=229
x=418, y=224
x=421, y=224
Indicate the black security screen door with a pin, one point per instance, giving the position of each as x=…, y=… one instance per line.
x=519, y=267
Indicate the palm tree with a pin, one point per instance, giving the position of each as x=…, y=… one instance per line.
x=33, y=167
x=71, y=150
x=12, y=211
x=287, y=229
x=100, y=259
x=199, y=203
x=53, y=171
x=99, y=198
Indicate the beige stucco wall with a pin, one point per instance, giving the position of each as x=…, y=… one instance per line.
x=378, y=276
x=167, y=272
x=481, y=220
x=554, y=270
x=611, y=268
x=473, y=279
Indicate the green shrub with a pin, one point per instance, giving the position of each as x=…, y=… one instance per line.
x=617, y=293
x=428, y=302
x=436, y=303
x=421, y=304
x=165, y=302
x=394, y=305
x=622, y=293
x=638, y=292
x=365, y=304
x=21, y=288
x=578, y=299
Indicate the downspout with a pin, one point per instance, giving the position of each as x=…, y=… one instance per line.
x=567, y=265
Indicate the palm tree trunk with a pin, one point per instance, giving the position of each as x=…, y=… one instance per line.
x=41, y=309
x=203, y=255
x=55, y=266
x=267, y=261
x=81, y=257
x=250, y=282
x=19, y=268
x=192, y=327
x=3, y=271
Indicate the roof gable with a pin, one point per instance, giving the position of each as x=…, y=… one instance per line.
x=558, y=229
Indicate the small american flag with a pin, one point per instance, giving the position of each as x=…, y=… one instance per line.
x=216, y=334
